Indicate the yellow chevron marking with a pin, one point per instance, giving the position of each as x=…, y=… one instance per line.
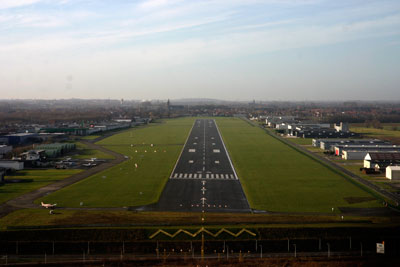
x=201, y=230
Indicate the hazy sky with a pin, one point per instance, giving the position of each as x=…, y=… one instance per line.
x=227, y=49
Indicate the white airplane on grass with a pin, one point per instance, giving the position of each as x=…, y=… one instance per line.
x=49, y=206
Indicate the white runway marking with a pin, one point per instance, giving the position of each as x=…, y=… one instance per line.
x=191, y=161
x=216, y=150
x=215, y=176
x=192, y=150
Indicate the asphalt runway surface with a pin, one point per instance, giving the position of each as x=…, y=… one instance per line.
x=204, y=178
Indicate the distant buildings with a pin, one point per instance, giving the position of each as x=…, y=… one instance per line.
x=11, y=164
x=330, y=144
x=4, y=149
x=393, y=172
x=290, y=126
x=19, y=138
x=380, y=160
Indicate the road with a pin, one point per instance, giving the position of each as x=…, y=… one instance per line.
x=204, y=178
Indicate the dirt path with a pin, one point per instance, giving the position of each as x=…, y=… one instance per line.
x=26, y=200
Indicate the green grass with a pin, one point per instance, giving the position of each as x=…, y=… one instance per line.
x=84, y=152
x=39, y=179
x=125, y=185
x=41, y=217
x=300, y=141
x=276, y=177
x=372, y=132
x=90, y=137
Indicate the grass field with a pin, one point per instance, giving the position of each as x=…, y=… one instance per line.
x=387, y=133
x=84, y=152
x=125, y=185
x=373, y=132
x=90, y=137
x=301, y=141
x=39, y=179
x=40, y=217
x=276, y=177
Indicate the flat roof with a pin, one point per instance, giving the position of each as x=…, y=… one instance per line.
x=21, y=134
x=394, y=168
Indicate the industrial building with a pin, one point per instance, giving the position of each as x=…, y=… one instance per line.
x=377, y=148
x=341, y=127
x=12, y=164
x=4, y=149
x=82, y=131
x=360, y=154
x=330, y=144
x=56, y=149
x=323, y=133
x=393, y=172
x=19, y=138
x=272, y=121
x=381, y=160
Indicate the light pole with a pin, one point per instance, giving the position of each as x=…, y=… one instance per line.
x=295, y=250
x=261, y=252
x=329, y=249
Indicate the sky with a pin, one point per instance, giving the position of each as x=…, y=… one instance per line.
x=283, y=50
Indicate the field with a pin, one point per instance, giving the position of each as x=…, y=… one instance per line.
x=124, y=184
x=387, y=133
x=40, y=217
x=275, y=177
x=84, y=152
x=301, y=141
x=31, y=180
x=90, y=137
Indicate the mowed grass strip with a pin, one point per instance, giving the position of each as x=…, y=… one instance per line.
x=40, y=217
x=84, y=152
x=275, y=177
x=154, y=149
x=31, y=180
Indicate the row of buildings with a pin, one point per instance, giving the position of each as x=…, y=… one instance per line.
x=378, y=155
x=355, y=149
x=289, y=125
x=42, y=133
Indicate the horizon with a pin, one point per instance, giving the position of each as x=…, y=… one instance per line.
x=292, y=50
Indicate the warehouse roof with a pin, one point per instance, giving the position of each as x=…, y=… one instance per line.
x=382, y=156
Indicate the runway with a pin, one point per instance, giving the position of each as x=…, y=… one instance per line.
x=204, y=178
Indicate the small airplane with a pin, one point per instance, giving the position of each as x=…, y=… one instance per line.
x=91, y=160
x=49, y=206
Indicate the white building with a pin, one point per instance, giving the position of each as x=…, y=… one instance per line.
x=4, y=149
x=393, y=172
x=11, y=164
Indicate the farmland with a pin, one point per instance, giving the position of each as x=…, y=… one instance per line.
x=276, y=177
x=154, y=150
